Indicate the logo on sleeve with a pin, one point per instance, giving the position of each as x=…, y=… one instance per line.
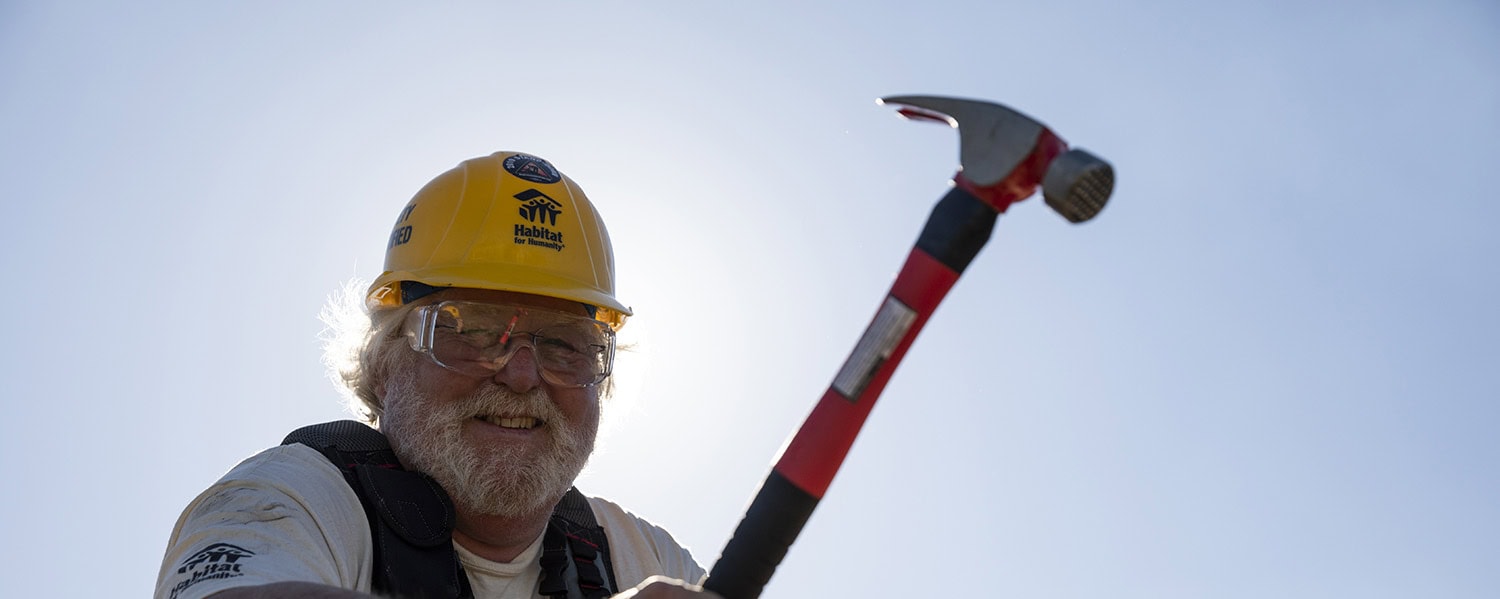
x=220, y=560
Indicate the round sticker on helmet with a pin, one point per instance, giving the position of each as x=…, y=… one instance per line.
x=531, y=168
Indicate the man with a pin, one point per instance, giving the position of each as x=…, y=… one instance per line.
x=482, y=353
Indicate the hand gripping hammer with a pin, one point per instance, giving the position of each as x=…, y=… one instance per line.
x=1003, y=155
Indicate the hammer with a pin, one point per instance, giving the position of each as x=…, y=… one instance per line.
x=1003, y=155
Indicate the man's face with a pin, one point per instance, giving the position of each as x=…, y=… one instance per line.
x=509, y=444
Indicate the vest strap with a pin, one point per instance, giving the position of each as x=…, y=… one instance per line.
x=411, y=523
x=411, y=518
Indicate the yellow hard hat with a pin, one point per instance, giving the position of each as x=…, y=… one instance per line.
x=510, y=222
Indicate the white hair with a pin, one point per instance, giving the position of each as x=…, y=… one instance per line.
x=360, y=347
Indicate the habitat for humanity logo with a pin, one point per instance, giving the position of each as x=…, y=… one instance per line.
x=542, y=211
x=220, y=560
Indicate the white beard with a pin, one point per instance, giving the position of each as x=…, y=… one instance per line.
x=499, y=481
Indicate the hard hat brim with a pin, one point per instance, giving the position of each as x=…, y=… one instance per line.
x=384, y=293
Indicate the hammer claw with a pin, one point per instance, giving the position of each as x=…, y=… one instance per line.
x=917, y=114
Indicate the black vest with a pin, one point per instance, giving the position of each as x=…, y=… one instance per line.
x=411, y=524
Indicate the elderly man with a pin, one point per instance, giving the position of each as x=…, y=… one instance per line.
x=486, y=345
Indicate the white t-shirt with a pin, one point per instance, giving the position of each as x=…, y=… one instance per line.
x=287, y=514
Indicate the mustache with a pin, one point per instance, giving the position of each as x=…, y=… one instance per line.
x=500, y=401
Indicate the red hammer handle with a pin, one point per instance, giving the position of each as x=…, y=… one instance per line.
x=957, y=229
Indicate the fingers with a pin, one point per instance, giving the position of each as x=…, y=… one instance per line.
x=661, y=587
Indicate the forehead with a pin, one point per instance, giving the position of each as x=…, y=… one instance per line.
x=509, y=298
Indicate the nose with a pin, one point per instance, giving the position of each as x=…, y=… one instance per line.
x=520, y=372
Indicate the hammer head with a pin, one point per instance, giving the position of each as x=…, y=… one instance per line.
x=1006, y=154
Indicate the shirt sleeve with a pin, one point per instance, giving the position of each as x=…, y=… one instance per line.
x=639, y=549
x=284, y=514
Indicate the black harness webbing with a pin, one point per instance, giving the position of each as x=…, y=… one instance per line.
x=411, y=524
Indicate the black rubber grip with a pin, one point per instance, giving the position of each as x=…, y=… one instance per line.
x=959, y=226
x=773, y=521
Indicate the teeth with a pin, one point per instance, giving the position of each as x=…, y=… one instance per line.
x=518, y=422
x=522, y=422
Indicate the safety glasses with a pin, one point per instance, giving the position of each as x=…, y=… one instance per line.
x=478, y=339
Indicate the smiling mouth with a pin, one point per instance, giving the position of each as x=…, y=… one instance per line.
x=524, y=423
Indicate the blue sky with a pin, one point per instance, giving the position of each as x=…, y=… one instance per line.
x=1267, y=369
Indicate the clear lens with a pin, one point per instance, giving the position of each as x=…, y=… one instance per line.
x=478, y=339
